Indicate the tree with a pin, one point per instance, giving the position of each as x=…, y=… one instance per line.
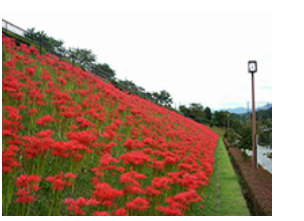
x=184, y=110
x=220, y=118
x=83, y=57
x=246, y=138
x=155, y=96
x=149, y=96
x=165, y=98
x=162, y=98
x=196, y=112
x=49, y=43
x=103, y=70
x=208, y=113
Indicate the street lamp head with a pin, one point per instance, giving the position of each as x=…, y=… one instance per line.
x=252, y=67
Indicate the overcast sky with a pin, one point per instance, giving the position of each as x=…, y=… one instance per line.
x=198, y=58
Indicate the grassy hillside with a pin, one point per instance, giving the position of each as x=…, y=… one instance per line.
x=73, y=144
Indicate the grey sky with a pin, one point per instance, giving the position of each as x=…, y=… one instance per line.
x=196, y=57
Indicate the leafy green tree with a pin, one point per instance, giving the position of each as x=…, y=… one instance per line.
x=165, y=98
x=103, y=70
x=208, y=113
x=184, y=110
x=245, y=138
x=83, y=57
x=162, y=98
x=51, y=44
x=149, y=96
x=221, y=118
x=196, y=112
x=156, y=96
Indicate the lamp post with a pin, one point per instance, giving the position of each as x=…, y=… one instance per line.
x=252, y=68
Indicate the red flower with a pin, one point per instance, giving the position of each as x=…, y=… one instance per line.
x=81, y=201
x=139, y=203
x=161, y=182
x=92, y=202
x=45, y=119
x=170, y=211
x=34, y=179
x=30, y=71
x=150, y=191
x=70, y=176
x=103, y=213
x=25, y=199
x=22, y=191
x=120, y=212
x=22, y=180
x=32, y=111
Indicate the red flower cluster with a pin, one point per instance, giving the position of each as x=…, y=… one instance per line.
x=60, y=181
x=105, y=194
x=139, y=203
x=28, y=184
x=57, y=117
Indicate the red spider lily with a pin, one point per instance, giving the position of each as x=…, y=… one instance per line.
x=29, y=184
x=158, y=165
x=103, y=213
x=105, y=193
x=44, y=120
x=31, y=112
x=58, y=183
x=45, y=133
x=70, y=176
x=161, y=182
x=120, y=212
x=92, y=202
x=170, y=211
x=92, y=126
x=139, y=203
x=133, y=190
x=81, y=201
x=26, y=181
x=83, y=137
x=8, y=160
x=150, y=191
x=74, y=206
x=184, y=199
x=106, y=159
x=135, y=157
x=25, y=199
x=30, y=70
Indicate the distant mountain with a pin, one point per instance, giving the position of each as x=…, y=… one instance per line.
x=243, y=110
x=238, y=110
x=265, y=107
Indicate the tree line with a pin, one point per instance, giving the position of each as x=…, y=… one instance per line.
x=87, y=60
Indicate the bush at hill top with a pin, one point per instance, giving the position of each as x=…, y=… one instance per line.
x=73, y=144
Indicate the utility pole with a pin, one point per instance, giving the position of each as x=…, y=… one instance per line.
x=248, y=114
x=252, y=68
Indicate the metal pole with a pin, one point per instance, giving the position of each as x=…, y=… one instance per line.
x=254, y=147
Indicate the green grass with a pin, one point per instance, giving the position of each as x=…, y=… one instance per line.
x=219, y=130
x=223, y=196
